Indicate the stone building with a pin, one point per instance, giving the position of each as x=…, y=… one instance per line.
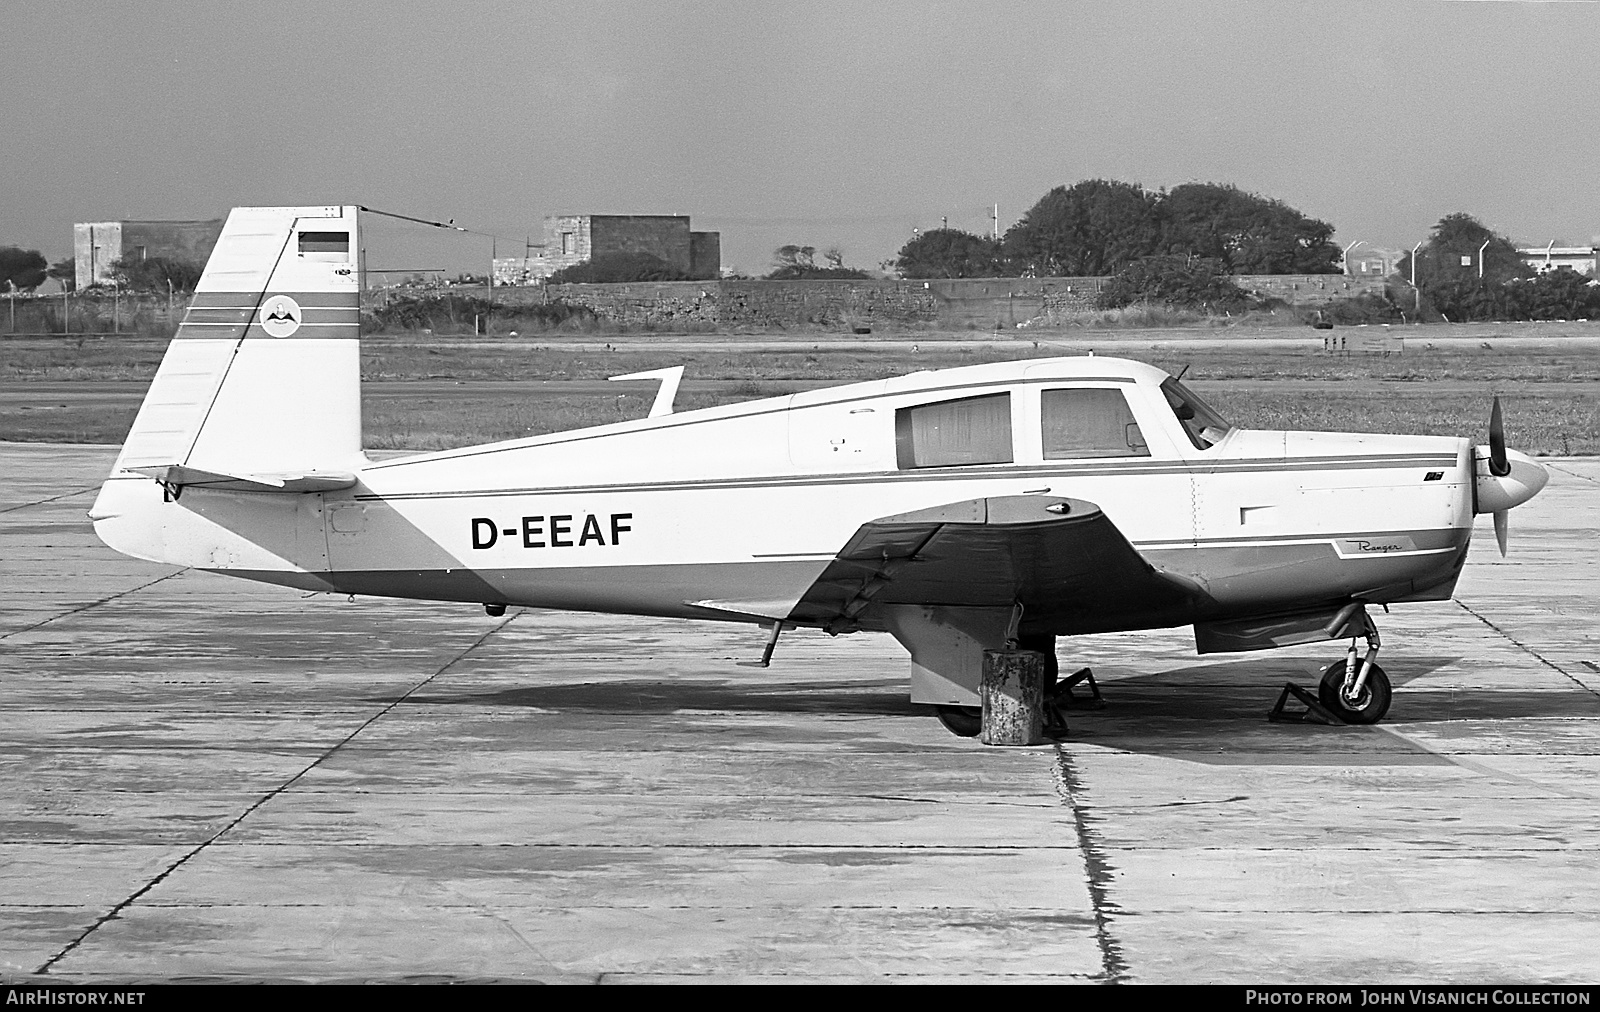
x=1374, y=261
x=96, y=245
x=573, y=238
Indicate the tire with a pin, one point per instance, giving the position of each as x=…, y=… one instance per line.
x=961, y=721
x=1369, y=709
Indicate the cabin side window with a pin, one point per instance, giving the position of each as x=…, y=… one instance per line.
x=1089, y=423
x=972, y=430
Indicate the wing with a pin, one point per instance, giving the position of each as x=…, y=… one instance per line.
x=1063, y=560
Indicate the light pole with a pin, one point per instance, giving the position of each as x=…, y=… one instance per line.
x=1480, y=257
x=1347, y=249
x=1417, y=307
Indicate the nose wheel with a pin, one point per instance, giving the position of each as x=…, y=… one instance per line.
x=1363, y=702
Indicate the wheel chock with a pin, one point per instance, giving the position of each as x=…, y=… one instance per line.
x=1064, y=698
x=1314, y=713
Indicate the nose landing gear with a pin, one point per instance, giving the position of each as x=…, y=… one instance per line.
x=1357, y=693
x=1352, y=692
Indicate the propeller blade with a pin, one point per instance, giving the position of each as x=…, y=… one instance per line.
x=1502, y=527
x=1499, y=466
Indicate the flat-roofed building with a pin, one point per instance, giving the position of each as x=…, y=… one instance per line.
x=571, y=239
x=1375, y=261
x=1552, y=257
x=97, y=245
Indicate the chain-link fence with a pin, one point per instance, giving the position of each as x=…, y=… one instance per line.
x=96, y=312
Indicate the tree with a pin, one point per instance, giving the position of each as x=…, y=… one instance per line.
x=1561, y=294
x=798, y=263
x=791, y=257
x=618, y=268
x=1173, y=281
x=1095, y=227
x=65, y=271
x=154, y=274
x=950, y=253
x=1247, y=233
x=1099, y=226
x=1464, y=269
x=24, y=269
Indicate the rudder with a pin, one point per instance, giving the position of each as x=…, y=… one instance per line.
x=264, y=372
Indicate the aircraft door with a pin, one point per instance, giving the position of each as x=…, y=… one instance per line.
x=849, y=436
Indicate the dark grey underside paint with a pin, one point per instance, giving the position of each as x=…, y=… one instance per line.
x=1061, y=559
x=1265, y=578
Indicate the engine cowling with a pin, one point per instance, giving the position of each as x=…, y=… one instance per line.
x=1497, y=493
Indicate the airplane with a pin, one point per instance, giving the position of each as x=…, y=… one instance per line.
x=958, y=510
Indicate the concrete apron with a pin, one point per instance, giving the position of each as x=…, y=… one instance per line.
x=209, y=778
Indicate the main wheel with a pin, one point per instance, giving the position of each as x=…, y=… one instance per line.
x=1367, y=708
x=961, y=721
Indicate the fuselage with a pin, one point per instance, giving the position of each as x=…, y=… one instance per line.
x=732, y=512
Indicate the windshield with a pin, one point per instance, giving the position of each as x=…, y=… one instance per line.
x=1204, y=426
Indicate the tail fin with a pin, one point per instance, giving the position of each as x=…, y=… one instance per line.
x=264, y=373
x=259, y=393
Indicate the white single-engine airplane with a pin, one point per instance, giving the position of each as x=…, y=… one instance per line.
x=959, y=510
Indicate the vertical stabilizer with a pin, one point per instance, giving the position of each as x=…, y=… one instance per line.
x=264, y=372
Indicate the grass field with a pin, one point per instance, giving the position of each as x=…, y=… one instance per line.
x=1549, y=390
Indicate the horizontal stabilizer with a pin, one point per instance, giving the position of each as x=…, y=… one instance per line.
x=180, y=476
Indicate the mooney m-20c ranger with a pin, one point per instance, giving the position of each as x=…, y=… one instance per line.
x=959, y=510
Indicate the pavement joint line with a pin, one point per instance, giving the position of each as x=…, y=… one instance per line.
x=1575, y=474
x=92, y=604
x=1536, y=655
x=1477, y=766
x=41, y=502
x=1114, y=969
x=111, y=914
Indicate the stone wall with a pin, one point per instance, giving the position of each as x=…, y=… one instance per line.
x=955, y=304
x=753, y=304
x=1309, y=289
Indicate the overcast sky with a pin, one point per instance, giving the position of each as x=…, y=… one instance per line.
x=814, y=123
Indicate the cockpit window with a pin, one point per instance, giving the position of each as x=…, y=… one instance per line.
x=1204, y=426
x=972, y=430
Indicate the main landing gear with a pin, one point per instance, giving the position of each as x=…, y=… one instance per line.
x=961, y=721
x=967, y=721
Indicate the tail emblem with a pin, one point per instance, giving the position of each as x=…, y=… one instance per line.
x=280, y=316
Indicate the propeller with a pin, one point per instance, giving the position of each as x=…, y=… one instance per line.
x=1503, y=478
x=1499, y=466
